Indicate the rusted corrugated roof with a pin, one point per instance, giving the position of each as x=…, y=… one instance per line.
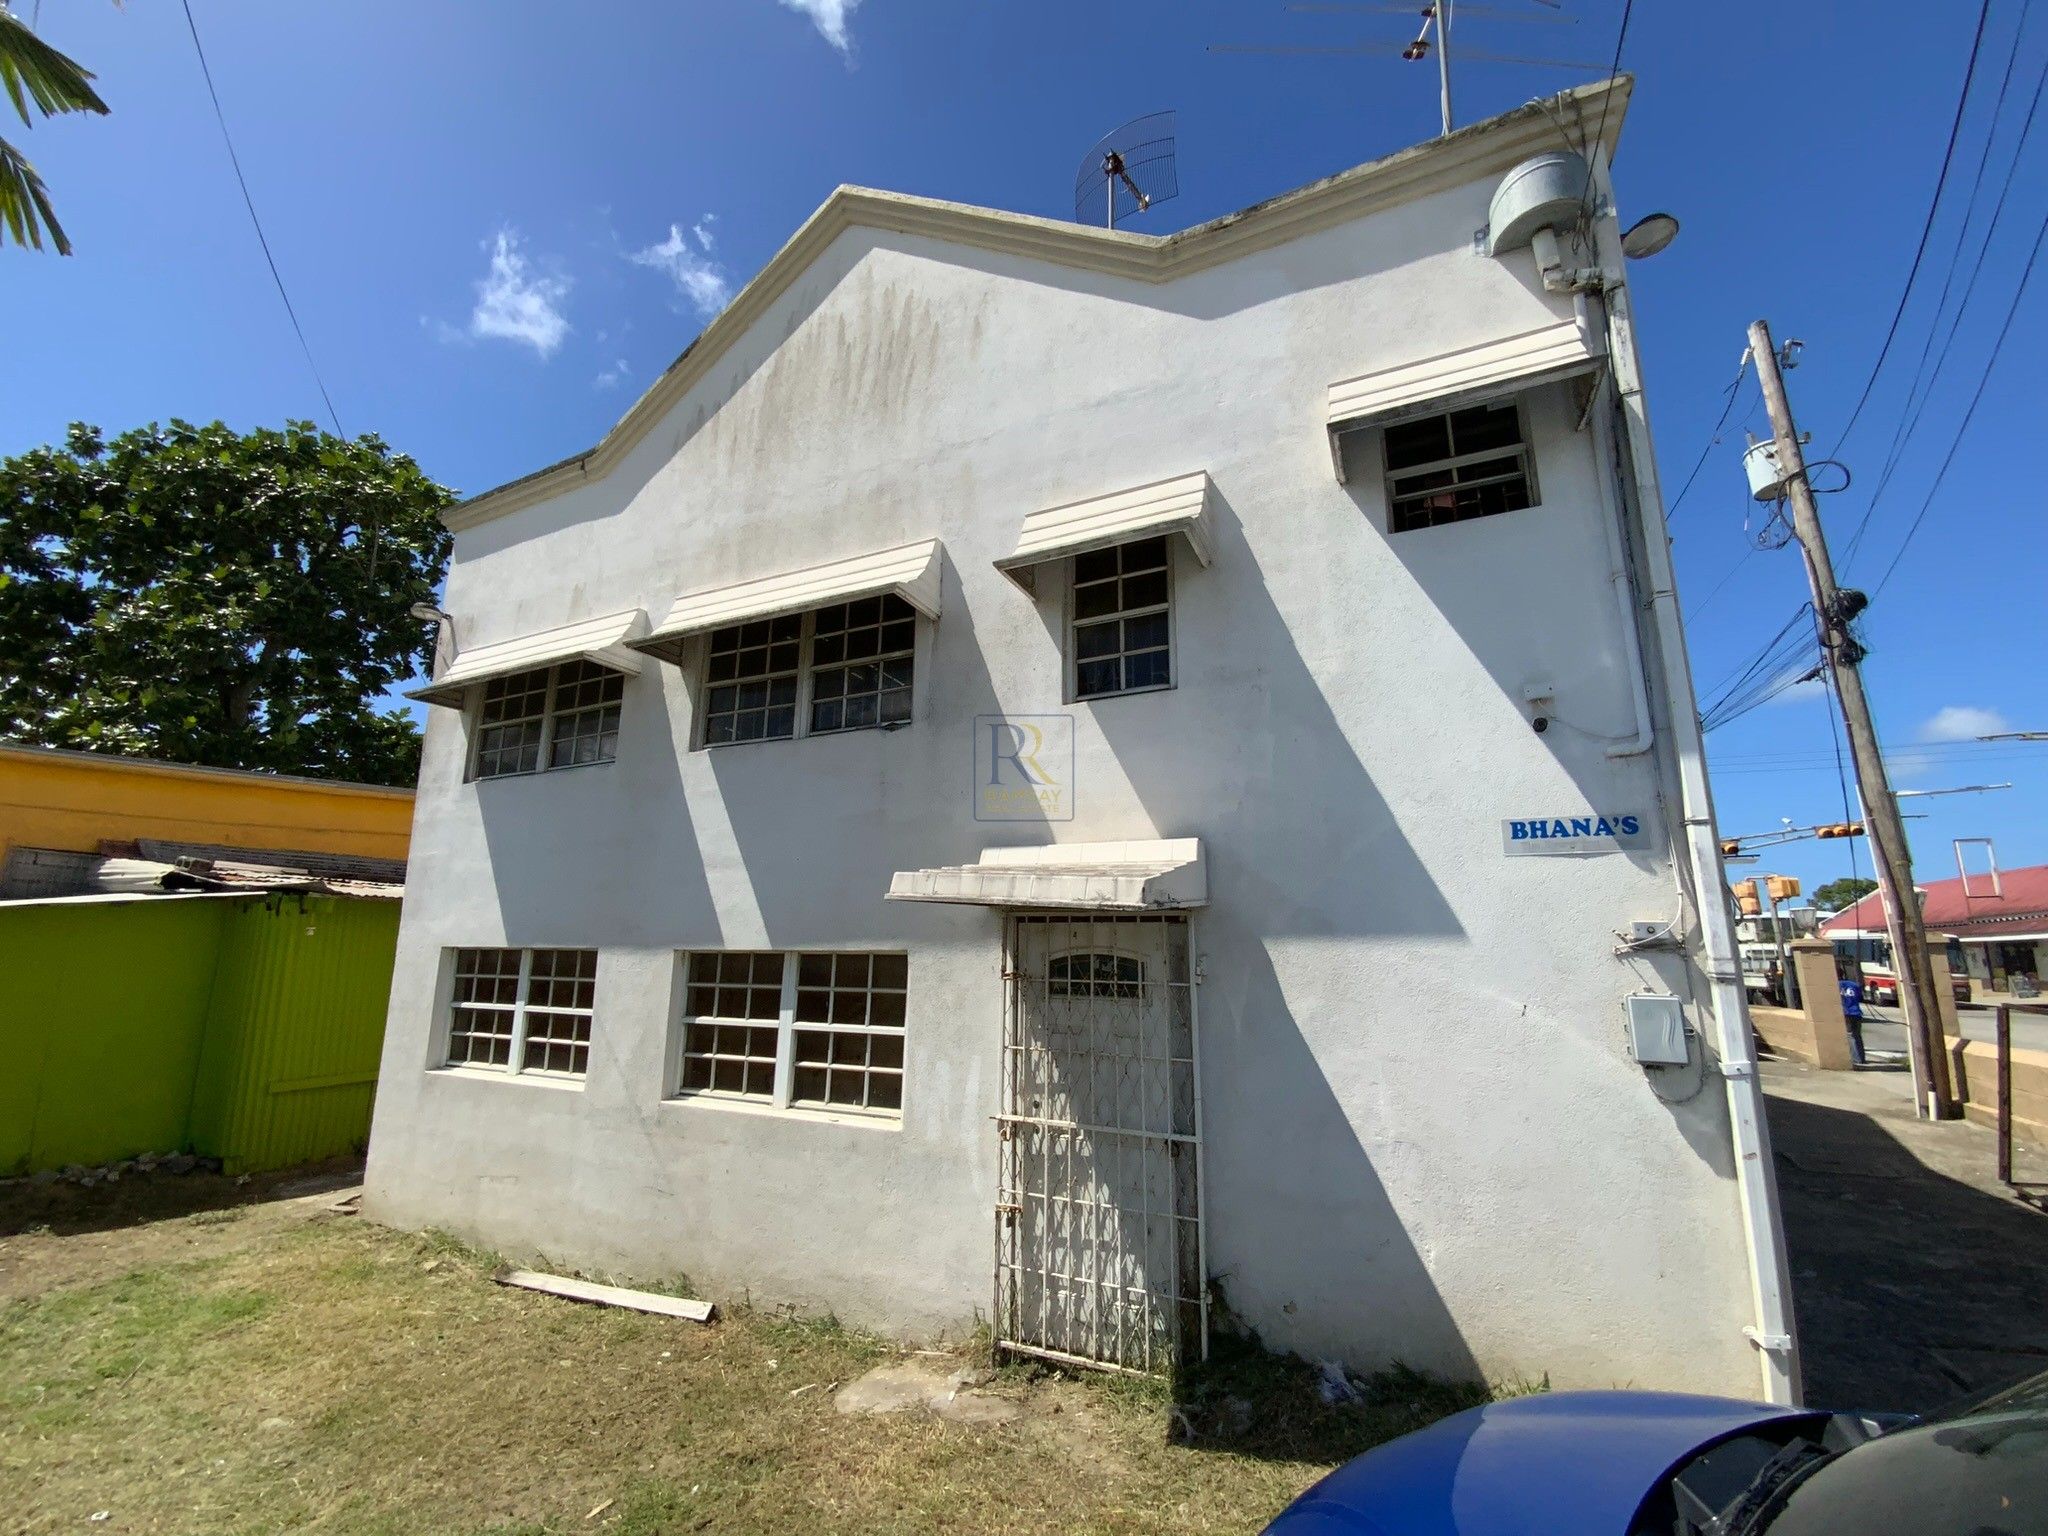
x=144, y=877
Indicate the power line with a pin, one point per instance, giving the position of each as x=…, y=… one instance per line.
x=1955, y=256
x=1713, y=438
x=1955, y=324
x=1927, y=229
x=1990, y=365
x=1787, y=658
x=1721, y=585
x=1607, y=100
x=1962, y=754
x=261, y=239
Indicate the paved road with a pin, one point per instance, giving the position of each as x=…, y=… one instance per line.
x=1884, y=1028
x=1917, y=1279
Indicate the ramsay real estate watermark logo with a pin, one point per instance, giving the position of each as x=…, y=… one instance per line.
x=1023, y=767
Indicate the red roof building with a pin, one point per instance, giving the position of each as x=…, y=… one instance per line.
x=2001, y=923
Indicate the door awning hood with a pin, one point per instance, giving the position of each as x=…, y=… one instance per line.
x=1161, y=875
x=606, y=641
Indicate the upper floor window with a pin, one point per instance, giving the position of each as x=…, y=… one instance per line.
x=844, y=667
x=1460, y=465
x=1120, y=626
x=553, y=717
x=523, y=1010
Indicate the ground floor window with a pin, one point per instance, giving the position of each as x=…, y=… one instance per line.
x=818, y=1029
x=523, y=1010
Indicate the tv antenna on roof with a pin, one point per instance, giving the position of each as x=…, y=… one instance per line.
x=1434, y=36
x=1127, y=172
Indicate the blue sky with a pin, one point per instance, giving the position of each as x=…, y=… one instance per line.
x=499, y=222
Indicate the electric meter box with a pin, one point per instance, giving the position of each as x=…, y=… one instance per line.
x=1656, y=1030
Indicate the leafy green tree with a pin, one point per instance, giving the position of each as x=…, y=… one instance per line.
x=207, y=596
x=1845, y=892
x=34, y=72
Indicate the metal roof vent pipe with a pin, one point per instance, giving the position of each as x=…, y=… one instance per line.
x=1540, y=204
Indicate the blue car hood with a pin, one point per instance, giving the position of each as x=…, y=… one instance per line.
x=1568, y=1463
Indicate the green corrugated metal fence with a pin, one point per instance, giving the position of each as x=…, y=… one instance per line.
x=243, y=1028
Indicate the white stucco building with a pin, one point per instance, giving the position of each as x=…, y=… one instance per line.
x=1004, y=789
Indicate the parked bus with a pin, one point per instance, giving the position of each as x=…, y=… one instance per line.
x=1872, y=954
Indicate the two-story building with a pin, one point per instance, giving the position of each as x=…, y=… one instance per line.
x=1074, y=779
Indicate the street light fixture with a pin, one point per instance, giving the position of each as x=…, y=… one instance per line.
x=1649, y=235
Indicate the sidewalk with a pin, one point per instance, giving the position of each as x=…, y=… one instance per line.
x=1917, y=1278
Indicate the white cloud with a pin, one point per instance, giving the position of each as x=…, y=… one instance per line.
x=516, y=303
x=829, y=17
x=702, y=230
x=1963, y=722
x=1810, y=688
x=697, y=277
x=613, y=376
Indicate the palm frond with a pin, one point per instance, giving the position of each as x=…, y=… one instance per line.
x=35, y=72
x=25, y=209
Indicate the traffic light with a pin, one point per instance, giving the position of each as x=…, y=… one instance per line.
x=1730, y=849
x=1840, y=829
x=1782, y=887
x=1746, y=902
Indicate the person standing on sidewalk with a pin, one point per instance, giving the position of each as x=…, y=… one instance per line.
x=1852, y=1012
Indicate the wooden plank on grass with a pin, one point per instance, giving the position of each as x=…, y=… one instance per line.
x=607, y=1295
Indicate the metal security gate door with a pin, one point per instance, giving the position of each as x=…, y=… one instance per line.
x=1099, y=1256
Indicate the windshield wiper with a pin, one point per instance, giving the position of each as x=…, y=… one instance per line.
x=1792, y=1465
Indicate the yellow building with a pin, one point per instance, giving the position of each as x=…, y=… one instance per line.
x=79, y=801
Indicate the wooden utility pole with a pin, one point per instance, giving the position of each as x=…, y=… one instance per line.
x=1889, y=854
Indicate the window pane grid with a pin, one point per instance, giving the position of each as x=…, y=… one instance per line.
x=1121, y=632
x=855, y=1060
x=861, y=658
x=1457, y=466
x=732, y=1005
x=523, y=1010
x=835, y=1043
x=571, y=710
x=561, y=993
x=751, y=673
x=586, y=727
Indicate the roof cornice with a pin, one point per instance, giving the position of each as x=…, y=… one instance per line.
x=1487, y=147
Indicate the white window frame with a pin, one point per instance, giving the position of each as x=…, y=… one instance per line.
x=516, y=1057
x=1070, y=623
x=807, y=668
x=548, y=717
x=787, y=1027
x=1524, y=449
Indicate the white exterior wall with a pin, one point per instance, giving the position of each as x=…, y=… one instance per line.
x=1425, y=1139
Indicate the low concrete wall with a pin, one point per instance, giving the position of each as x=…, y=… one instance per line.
x=1790, y=1032
x=1976, y=1074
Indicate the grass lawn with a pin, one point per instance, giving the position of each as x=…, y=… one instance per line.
x=193, y=1356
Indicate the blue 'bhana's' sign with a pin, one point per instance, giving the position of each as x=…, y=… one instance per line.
x=1577, y=834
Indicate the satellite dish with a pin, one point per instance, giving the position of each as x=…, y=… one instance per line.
x=1127, y=172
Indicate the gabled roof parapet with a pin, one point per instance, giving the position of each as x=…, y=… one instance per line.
x=1484, y=148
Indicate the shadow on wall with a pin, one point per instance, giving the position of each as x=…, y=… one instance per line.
x=1912, y=1290
x=1461, y=568
x=1303, y=1183
x=1259, y=722
x=887, y=824
x=1282, y=1153
x=606, y=854
x=1582, y=658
